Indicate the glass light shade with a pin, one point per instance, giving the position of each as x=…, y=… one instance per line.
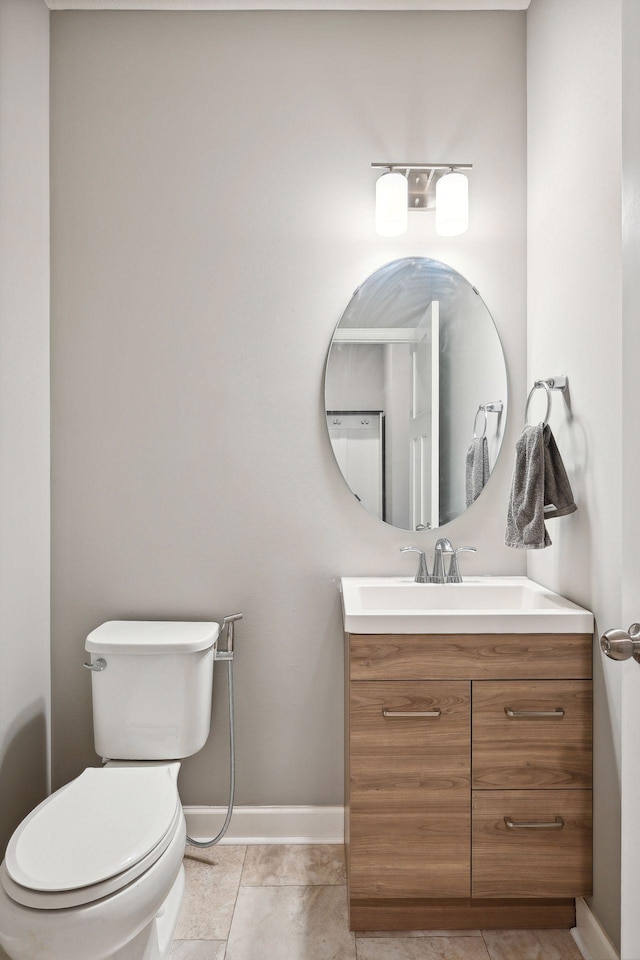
x=392, y=199
x=452, y=205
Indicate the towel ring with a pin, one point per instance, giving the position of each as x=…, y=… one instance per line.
x=481, y=409
x=538, y=385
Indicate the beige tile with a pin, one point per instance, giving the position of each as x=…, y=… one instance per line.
x=403, y=934
x=293, y=864
x=291, y=923
x=213, y=878
x=531, y=945
x=198, y=950
x=422, y=948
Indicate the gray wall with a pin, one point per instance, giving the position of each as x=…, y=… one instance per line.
x=212, y=213
x=24, y=409
x=574, y=311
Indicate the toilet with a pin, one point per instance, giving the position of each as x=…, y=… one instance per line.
x=95, y=871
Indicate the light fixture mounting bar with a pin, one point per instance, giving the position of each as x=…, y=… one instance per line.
x=423, y=166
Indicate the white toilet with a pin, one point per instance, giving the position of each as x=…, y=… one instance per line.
x=95, y=871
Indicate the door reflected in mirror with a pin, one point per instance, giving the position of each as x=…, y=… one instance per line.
x=416, y=394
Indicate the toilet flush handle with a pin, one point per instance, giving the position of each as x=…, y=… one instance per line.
x=97, y=665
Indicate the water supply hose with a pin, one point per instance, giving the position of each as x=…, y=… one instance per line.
x=227, y=655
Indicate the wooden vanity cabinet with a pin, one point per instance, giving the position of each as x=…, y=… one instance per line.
x=468, y=780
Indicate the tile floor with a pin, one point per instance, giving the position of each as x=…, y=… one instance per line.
x=289, y=903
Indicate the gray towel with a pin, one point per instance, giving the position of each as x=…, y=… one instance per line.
x=540, y=489
x=477, y=472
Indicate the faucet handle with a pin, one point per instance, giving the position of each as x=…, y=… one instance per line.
x=422, y=575
x=453, y=574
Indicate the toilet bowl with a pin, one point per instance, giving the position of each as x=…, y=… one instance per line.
x=95, y=871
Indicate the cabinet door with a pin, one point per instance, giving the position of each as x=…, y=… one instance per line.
x=409, y=789
x=530, y=734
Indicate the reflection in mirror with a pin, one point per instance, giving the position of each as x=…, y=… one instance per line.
x=416, y=394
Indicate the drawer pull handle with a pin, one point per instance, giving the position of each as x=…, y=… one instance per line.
x=411, y=713
x=556, y=824
x=557, y=714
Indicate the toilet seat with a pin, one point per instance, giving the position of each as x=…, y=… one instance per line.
x=92, y=837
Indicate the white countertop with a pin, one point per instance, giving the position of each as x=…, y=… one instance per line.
x=478, y=605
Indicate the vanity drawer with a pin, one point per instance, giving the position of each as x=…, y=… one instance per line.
x=409, y=789
x=532, y=734
x=469, y=656
x=552, y=858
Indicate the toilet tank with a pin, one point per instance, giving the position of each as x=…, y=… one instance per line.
x=152, y=698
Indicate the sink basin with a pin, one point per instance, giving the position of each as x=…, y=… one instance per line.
x=479, y=605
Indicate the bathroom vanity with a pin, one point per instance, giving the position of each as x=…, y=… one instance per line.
x=468, y=760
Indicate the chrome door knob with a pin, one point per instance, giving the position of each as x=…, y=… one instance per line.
x=622, y=644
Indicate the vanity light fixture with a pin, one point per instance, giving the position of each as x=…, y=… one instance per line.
x=410, y=186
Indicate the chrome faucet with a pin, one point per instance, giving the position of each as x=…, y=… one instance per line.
x=444, y=548
x=422, y=573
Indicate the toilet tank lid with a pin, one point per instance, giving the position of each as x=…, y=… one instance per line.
x=152, y=636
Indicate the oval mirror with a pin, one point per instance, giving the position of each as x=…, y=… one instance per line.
x=416, y=394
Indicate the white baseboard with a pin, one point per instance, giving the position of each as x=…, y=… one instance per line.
x=269, y=824
x=591, y=940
